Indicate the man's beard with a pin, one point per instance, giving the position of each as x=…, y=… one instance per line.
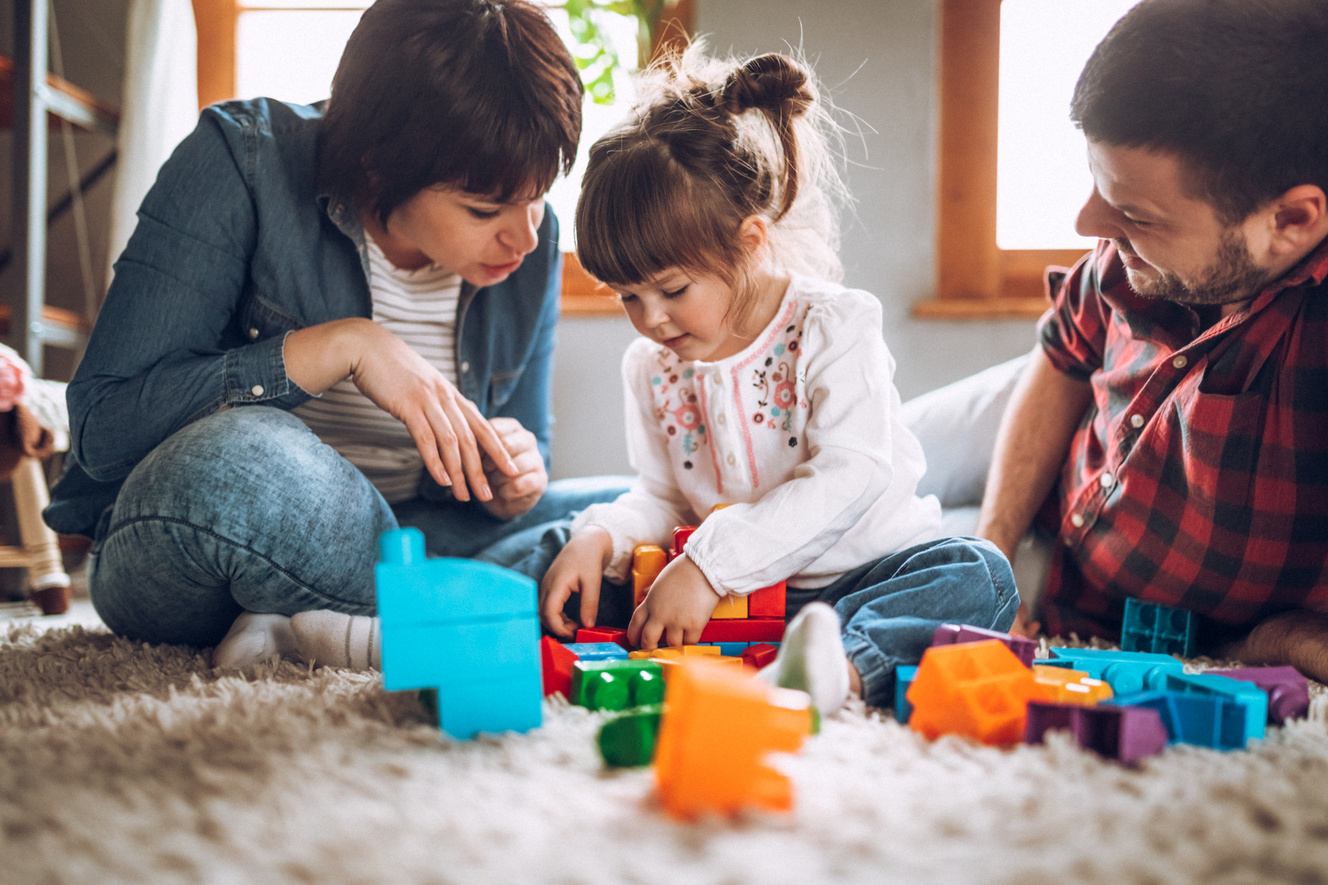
x=1231, y=277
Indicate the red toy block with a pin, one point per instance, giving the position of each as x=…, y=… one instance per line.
x=758, y=656
x=978, y=689
x=744, y=630
x=718, y=727
x=680, y=536
x=768, y=602
x=556, y=661
x=616, y=635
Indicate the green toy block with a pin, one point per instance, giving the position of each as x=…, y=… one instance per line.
x=617, y=685
x=628, y=740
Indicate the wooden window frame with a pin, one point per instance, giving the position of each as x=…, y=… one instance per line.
x=975, y=278
x=216, y=21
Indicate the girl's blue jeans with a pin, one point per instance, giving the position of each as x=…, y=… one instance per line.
x=247, y=510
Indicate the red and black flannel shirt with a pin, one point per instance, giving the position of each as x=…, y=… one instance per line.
x=1199, y=477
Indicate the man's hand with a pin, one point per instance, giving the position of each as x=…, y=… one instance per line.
x=676, y=609
x=1298, y=638
x=515, y=494
x=1022, y=626
x=578, y=568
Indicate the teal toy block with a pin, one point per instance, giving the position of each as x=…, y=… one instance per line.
x=1252, y=698
x=1204, y=720
x=467, y=630
x=628, y=740
x=597, y=651
x=903, y=679
x=617, y=685
x=1160, y=629
x=1127, y=672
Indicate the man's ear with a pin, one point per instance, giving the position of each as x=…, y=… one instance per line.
x=1299, y=220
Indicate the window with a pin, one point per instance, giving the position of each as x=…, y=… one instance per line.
x=289, y=49
x=988, y=262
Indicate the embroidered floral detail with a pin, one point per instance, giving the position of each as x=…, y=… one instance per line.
x=677, y=408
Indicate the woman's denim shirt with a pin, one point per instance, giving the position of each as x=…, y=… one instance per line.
x=236, y=247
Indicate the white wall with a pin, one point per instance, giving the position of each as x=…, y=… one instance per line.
x=878, y=60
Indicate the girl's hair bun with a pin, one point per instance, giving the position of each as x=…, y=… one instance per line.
x=772, y=83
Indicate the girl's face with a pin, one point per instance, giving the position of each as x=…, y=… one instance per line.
x=686, y=312
x=472, y=235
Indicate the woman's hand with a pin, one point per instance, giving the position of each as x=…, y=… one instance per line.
x=578, y=568
x=515, y=494
x=676, y=609
x=448, y=429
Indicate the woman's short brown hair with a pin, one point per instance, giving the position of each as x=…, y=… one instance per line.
x=478, y=94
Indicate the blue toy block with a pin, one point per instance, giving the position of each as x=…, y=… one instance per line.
x=903, y=679
x=1205, y=720
x=731, y=649
x=1160, y=629
x=1250, y=696
x=468, y=630
x=1127, y=672
x=597, y=651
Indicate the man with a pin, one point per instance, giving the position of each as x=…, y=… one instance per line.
x=1173, y=429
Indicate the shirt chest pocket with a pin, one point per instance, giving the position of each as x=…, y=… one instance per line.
x=501, y=387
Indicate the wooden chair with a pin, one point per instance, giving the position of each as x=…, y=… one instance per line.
x=39, y=548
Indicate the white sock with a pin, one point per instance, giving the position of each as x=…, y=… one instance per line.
x=331, y=639
x=253, y=638
x=811, y=658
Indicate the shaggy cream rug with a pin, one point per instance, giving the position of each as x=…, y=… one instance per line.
x=121, y=762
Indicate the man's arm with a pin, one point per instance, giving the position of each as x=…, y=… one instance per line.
x=1298, y=638
x=1044, y=412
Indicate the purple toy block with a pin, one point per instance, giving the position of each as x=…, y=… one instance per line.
x=1288, y=691
x=950, y=634
x=1126, y=734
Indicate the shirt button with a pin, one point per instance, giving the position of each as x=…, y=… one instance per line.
x=1107, y=480
x=1077, y=520
x=253, y=334
x=465, y=366
x=1068, y=542
x=717, y=378
x=732, y=459
x=256, y=390
x=1136, y=420
x=1180, y=362
x=722, y=419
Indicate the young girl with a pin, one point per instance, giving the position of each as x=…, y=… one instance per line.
x=761, y=383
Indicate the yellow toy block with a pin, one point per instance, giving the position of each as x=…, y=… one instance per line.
x=648, y=560
x=1064, y=686
x=730, y=607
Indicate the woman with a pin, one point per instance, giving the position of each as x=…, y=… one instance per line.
x=331, y=321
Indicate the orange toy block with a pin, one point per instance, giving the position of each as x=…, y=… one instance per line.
x=556, y=662
x=719, y=725
x=978, y=689
x=768, y=602
x=648, y=561
x=730, y=608
x=1060, y=685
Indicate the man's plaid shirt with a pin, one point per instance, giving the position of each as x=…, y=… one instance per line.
x=1199, y=477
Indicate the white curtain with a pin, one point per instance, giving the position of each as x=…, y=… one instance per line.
x=159, y=106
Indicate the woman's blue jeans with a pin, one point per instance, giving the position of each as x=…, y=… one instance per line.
x=247, y=510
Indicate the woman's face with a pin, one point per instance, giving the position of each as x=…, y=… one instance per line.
x=472, y=235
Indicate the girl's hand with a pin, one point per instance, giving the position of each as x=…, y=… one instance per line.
x=577, y=569
x=448, y=429
x=514, y=495
x=676, y=609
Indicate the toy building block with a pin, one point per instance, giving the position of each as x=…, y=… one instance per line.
x=1248, y=695
x=648, y=561
x=1127, y=672
x=1126, y=734
x=759, y=655
x=978, y=689
x=904, y=677
x=466, y=629
x=616, y=635
x=730, y=649
x=768, y=602
x=1288, y=691
x=948, y=634
x=597, y=651
x=556, y=663
x=616, y=685
x=730, y=607
x=628, y=739
x=1160, y=629
x=718, y=727
x=1063, y=686
x=1205, y=720
x=745, y=630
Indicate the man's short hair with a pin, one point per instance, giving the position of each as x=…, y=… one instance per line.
x=478, y=94
x=1236, y=88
